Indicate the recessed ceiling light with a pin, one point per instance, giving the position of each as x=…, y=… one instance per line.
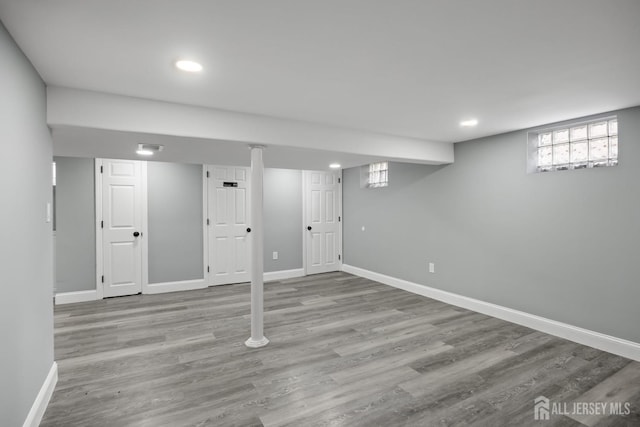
x=469, y=123
x=189, y=66
x=148, y=149
x=334, y=165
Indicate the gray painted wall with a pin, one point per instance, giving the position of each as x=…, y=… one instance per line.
x=175, y=222
x=75, y=225
x=282, y=219
x=562, y=245
x=26, y=246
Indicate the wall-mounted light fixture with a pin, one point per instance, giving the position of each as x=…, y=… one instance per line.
x=148, y=149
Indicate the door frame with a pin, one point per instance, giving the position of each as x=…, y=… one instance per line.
x=209, y=177
x=305, y=237
x=205, y=227
x=98, y=218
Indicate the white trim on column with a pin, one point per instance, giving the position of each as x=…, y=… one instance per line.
x=283, y=274
x=583, y=336
x=257, y=338
x=77, y=296
x=98, y=219
x=42, y=399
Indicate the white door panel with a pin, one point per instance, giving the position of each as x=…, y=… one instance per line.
x=241, y=253
x=322, y=209
x=122, y=200
x=221, y=265
x=330, y=245
x=316, y=250
x=122, y=217
x=229, y=211
x=121, y=168
x=241, y=206
x=123, y=256
x=330, y=208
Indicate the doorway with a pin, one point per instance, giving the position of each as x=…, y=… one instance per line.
x=122, y=231
x=229, y=221
x=322, y=198
x=121, y=222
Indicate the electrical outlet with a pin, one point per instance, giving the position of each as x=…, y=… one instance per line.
x=432, y=267
x=275, y=255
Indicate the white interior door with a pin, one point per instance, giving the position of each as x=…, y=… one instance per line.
x=229, y=221
x=322, y=212
x=122, y=224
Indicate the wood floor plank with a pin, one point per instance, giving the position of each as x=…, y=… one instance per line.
x=610, y=390
x=344, y=351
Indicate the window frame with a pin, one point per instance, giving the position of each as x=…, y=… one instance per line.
x=534, y=146
x=367, y=171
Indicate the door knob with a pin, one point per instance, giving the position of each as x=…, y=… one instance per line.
x=309, y=228
x=248, y=229
x=136, y=234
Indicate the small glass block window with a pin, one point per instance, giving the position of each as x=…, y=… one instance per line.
x=545, y=156
x=613, y=147
x=561, y=154
x=597, y=130
x=584, y=145
x=579, y=152
x=378, y=175
x=598, y=149
x=561, y=136
x=578, y=133
x=544, y=139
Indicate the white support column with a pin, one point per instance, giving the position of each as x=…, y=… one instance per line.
x=257, y=249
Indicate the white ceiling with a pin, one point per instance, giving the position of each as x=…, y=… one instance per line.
x=411, y=68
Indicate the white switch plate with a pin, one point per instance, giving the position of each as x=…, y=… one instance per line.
x=432, y=267
x=48, y=212
x=363, y=228
x=275, y=255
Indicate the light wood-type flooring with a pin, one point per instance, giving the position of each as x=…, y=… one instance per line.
x=344, y=351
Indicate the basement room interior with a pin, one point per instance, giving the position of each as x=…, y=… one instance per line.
x=320, y=213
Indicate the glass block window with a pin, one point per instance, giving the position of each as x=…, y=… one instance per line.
x=583, y=145
x=378, y=175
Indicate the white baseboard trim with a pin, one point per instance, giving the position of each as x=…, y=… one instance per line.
x=283, y=274
x=184, y=285
x=160, y=288
x=608, y=343
x=42, y=399
x=78, y=296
